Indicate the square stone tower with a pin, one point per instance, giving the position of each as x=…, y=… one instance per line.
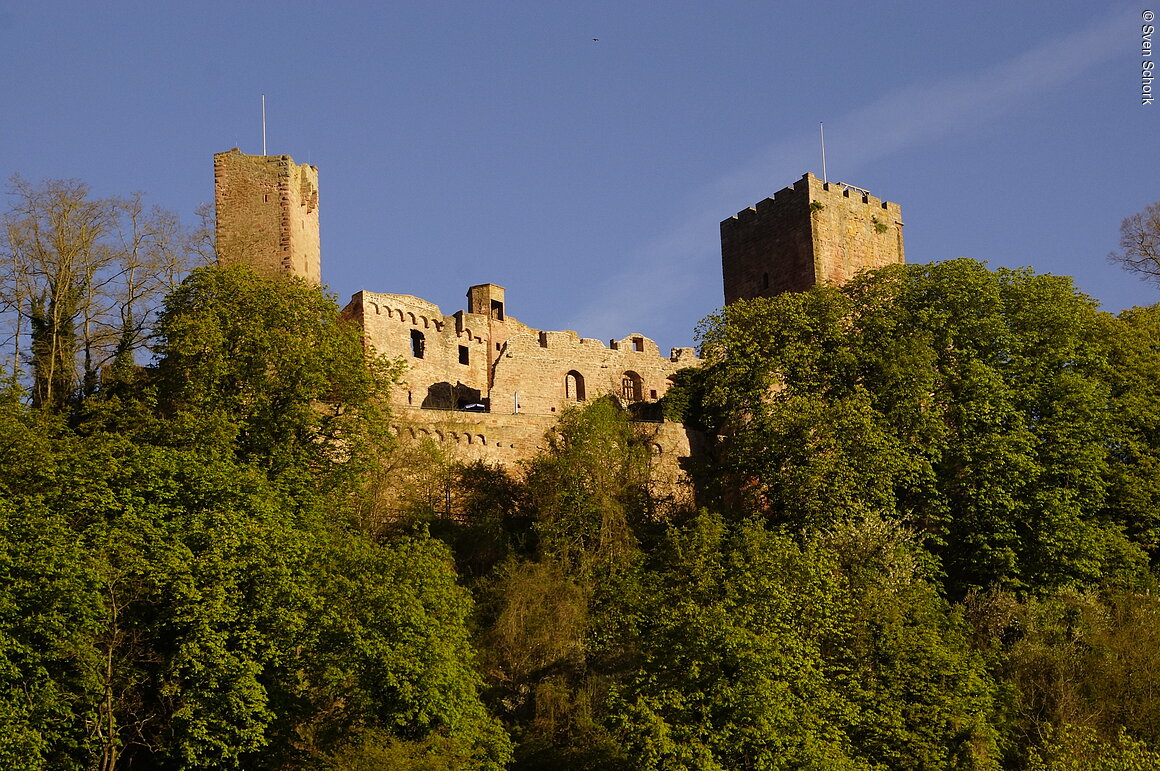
x=809, y=233
x=267, y=214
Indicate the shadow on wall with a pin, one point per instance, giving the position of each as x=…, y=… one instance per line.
x=445, y=396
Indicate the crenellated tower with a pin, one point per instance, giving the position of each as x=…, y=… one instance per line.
x=267, y=214
x=812, y=232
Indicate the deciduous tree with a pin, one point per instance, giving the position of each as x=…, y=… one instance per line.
x=80, y=282
x=1139, y=250
x=972, y=406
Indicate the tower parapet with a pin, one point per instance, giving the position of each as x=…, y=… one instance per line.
x=267, y=214
x=809, y=233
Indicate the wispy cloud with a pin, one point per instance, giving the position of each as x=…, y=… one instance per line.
x=675, y=266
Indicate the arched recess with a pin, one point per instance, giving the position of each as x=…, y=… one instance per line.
x=631, y=387
x=574, y=386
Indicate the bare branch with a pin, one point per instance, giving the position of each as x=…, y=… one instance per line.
x=81, y=281
x=1140, y=244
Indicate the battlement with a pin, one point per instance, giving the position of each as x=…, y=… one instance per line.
x=812, y=189
x=807, y=233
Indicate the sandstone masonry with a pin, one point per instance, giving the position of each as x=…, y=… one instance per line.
x=267, y=214
x=812, y=232
x=488, y=387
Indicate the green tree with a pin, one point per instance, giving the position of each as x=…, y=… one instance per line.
x=1087, y=660
x=559, y=612
x=1072, y=748
x=1134, y=467
x=760, y=652
x=170, y=606
x=972, y=406
x=732, y=674
x=921, y=696
x=270, y=369
x=589, y=490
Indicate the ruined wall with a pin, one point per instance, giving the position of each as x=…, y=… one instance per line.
x=808, y=233
x=513, y=440
x=545, y=371
x=267, y=214
x=448, y=357
x=528, y=378
x=481, y=357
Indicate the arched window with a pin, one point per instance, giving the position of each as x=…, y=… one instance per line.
x=631, y=386
x=574, y=386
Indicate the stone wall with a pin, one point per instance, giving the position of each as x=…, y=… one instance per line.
x=543, y=372
x=808, y=233
x=493, y=359
x=448, y=357
x=267, y=214
x=511, y=440
x=853, y=231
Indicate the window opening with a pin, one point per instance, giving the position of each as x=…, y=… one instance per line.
x=638, y=343
x=464, y=355
x=630, y=387
x=418, y=344
x=574, y=386
x=497, y=310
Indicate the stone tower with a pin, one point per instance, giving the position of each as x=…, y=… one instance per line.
x=811, y=232
x=267, y=214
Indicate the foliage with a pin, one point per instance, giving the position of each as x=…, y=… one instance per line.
x=589, y=489
x=1077, y=749
x=559, y=611
x=199, y=615
x=761, y=653
x=269, y=369
x=1134, y=473
x=975, y=407
x=1086, y=660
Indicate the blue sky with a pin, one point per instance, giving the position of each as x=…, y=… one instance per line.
x=465, y=142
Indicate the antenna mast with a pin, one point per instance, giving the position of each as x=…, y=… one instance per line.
x=264, y=124
x=822, y=131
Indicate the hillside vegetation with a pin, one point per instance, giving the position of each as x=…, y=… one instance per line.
x=924, y=537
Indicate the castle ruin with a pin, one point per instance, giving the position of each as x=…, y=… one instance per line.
x=489, y=387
